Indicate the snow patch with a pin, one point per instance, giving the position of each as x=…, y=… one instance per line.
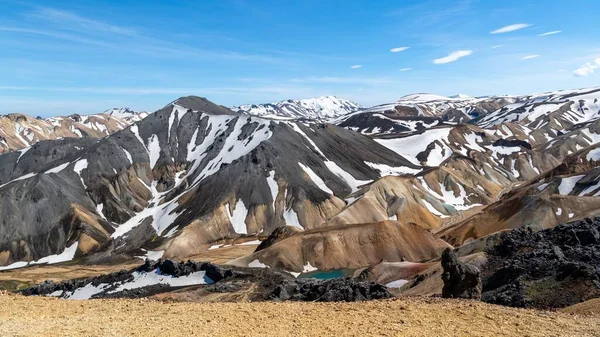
x=316, y=179
x=238, y=217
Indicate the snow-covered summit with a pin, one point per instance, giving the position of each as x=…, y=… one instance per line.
x=314, y=108
x=127, y=114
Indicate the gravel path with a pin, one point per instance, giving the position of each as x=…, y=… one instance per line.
x=31, y=316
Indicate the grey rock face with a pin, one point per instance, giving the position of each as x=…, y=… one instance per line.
x=461, y=280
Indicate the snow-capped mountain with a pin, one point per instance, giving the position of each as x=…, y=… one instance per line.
x=18, y=131
x=323, y=107
x=430, y=105
x=420, y=111
x=127, y=114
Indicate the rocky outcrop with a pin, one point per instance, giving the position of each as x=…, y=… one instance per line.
x=263, y=284
x=333, y=290
x=107, y=285
x=461, y=280
x=277, y=235
x=547, y=269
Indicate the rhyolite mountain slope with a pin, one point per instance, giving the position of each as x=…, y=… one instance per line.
x=18, y=131
x=420, y=111
x=324, y=107
x=190, y=174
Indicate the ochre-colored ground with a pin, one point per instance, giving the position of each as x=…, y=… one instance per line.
x=36, y=316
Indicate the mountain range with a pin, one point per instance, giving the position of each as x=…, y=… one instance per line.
x=319, y=108
x=324, y=184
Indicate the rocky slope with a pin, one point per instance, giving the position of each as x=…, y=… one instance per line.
x=319, y=108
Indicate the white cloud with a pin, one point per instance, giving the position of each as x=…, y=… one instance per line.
x=510, y=28
x=588, y=68
x=399, y=49
x=529, y=57
x=453, y=56
x=405, y=69
x=551, y=33
x=497, y=46
x=356, y=66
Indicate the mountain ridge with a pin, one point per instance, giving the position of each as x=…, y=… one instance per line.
x=322, y=107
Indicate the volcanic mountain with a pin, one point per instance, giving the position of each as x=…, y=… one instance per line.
x=190, y=174
x=321, y=108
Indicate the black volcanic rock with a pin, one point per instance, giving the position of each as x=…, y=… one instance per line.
x=277, y=235
x=512, y=142
x=261, y=284
x=461, y=280
x=552, y=268
x=164, y=267
x=333, y=290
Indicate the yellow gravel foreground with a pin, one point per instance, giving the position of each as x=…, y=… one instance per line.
x=34, y=316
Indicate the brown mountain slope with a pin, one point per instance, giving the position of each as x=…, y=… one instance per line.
x=569, y=191
x=351, y=246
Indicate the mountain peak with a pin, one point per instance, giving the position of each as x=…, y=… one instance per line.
x=321, y=107
x=202, y=104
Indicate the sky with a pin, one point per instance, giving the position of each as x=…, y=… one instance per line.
x=82, y=56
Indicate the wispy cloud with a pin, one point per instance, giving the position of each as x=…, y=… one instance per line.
x=432, y=12
x=510, y=28
x=65, y=19
x=398, y=49
x=588, y=68
x=551, y=33
x=529, y=57
x=83, y=30
x=356, y=66
x=55, y=35
x=405, y=69
x=497, y=46
x=453, y=56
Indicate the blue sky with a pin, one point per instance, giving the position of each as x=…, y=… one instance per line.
x=63, y=57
